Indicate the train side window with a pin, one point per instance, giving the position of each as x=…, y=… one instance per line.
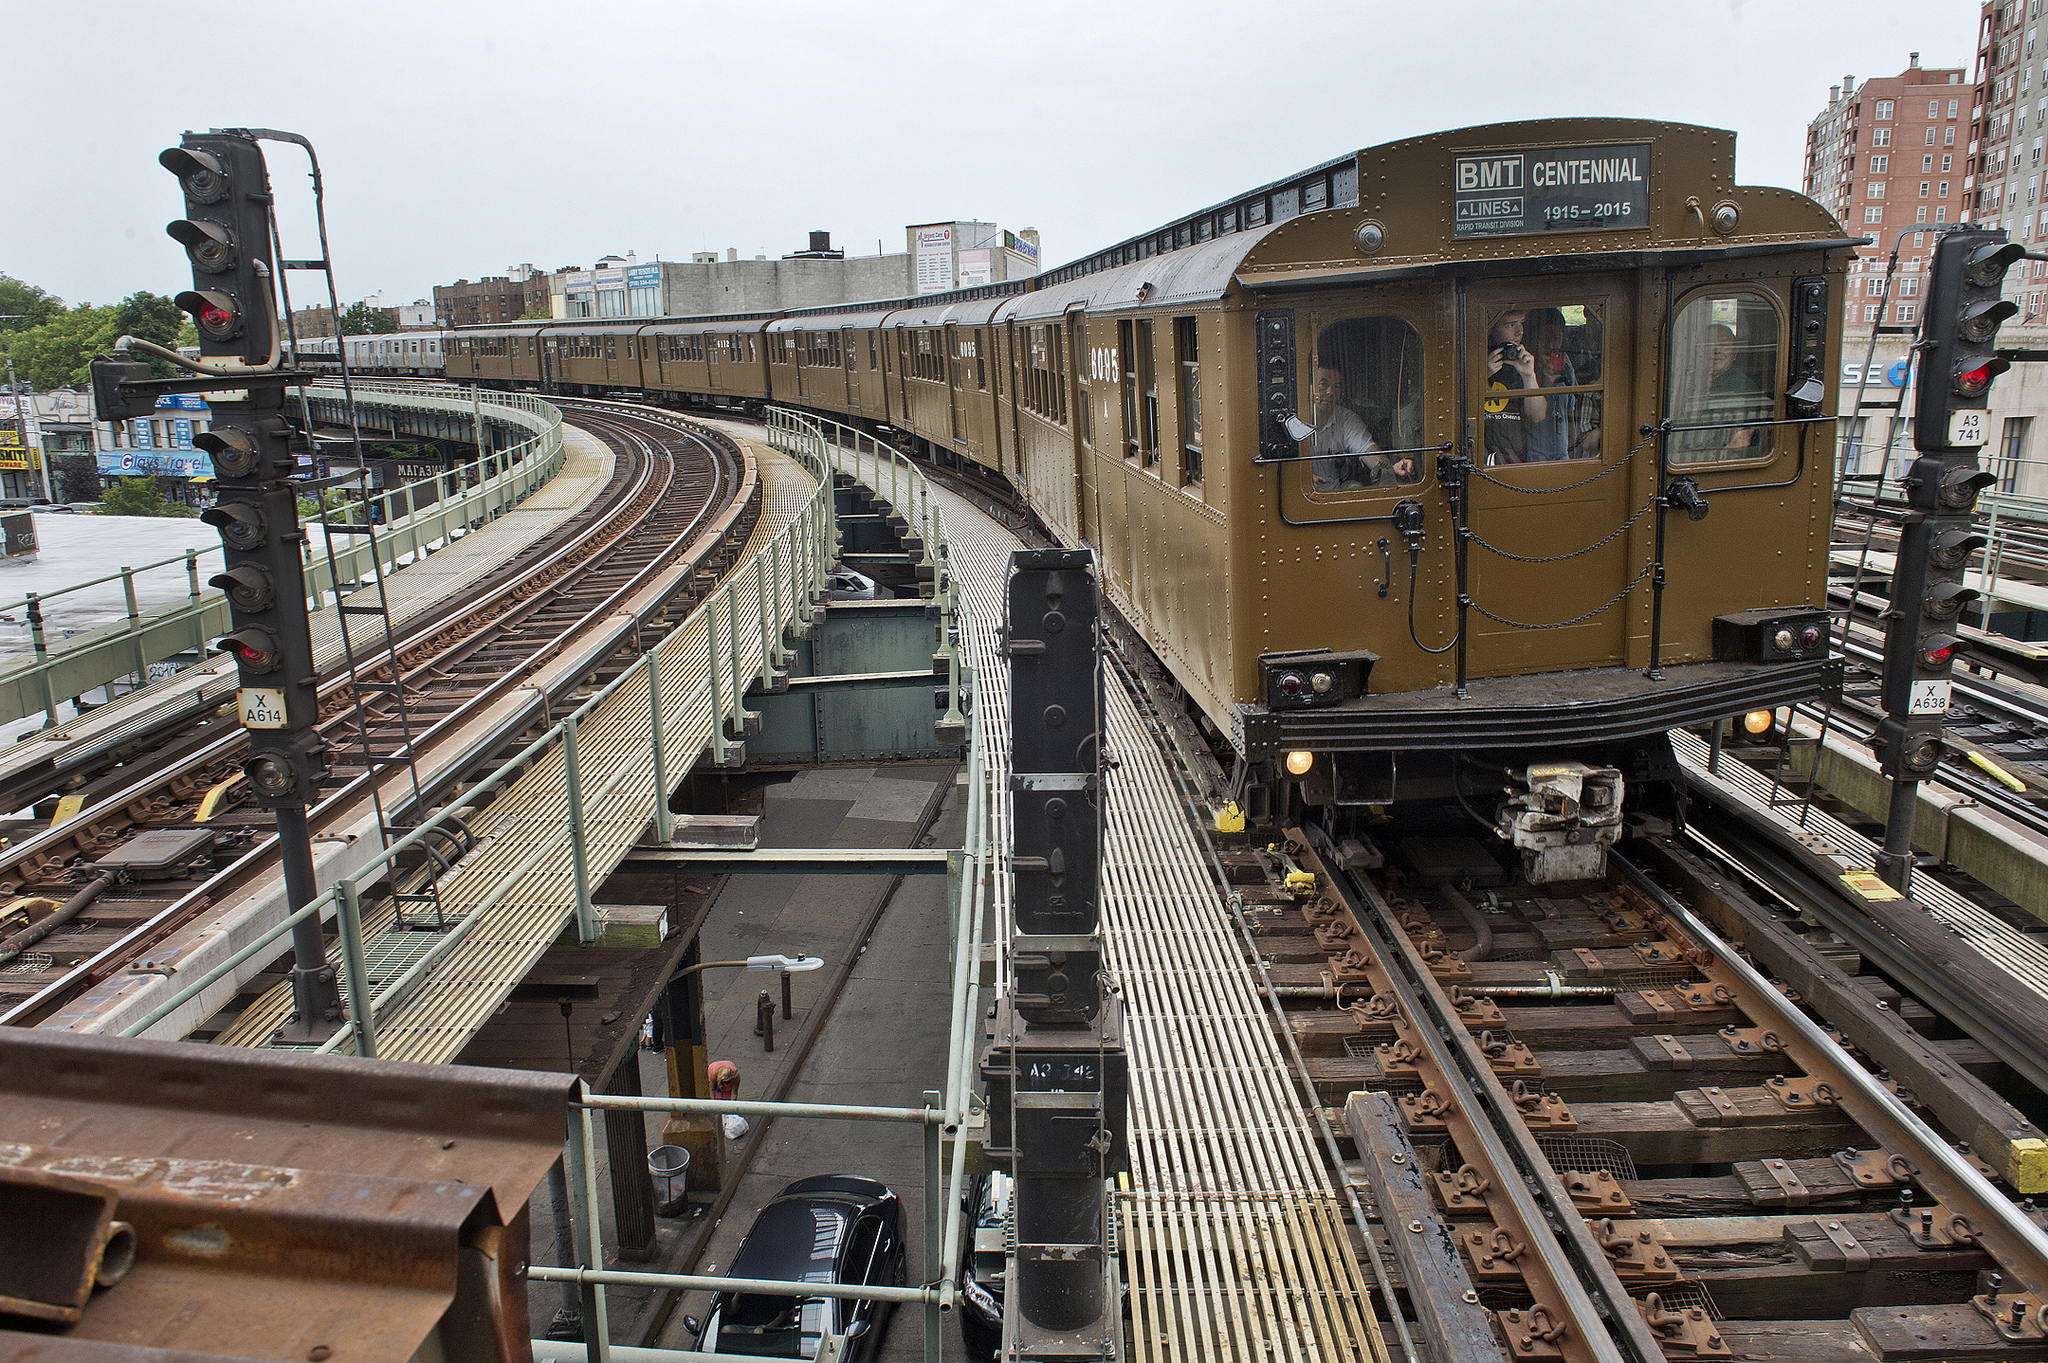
x=1365, y=395
x=1190, y=399
x=1542, y=393
x=1724, y=372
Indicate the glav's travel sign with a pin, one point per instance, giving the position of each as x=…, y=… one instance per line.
x=1553, y=189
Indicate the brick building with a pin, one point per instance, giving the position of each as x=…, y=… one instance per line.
x=520, y=291
x=1890, y=157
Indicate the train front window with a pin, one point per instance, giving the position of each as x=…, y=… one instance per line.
x=1542, y=393
x=1364, y=405
x=1724, y=372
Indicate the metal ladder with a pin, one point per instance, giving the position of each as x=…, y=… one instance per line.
x=420, y=906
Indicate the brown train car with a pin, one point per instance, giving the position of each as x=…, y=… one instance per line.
x=948, y=380
x=829, y=360
x=1470, y=442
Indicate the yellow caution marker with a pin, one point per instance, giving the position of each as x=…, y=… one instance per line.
x=1998, y=773
x=67, y=809
x=1230, y=819
x=1870, y=886
x=215, y=797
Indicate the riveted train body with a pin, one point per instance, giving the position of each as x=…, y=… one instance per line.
x=1509, y=439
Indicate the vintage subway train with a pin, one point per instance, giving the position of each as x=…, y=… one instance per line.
x=1464, y=466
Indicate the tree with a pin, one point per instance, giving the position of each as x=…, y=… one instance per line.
x=363, y=320
x=58, y=352
x=137, y=496
x=78, y=477
x=24, y=305
x=152, y=317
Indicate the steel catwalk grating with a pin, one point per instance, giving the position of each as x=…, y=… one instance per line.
x=1234, y=1241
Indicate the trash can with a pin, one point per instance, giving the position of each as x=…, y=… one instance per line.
x=669, y=1167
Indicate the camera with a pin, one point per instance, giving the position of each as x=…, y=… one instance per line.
x=1510, y=351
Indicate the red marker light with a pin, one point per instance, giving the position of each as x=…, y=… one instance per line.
x=1290, y=685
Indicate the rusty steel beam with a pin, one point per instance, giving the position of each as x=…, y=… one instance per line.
x=288, y=1206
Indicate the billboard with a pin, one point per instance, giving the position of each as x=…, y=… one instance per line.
x=934, y=252
x=643, y=276
x=1013, y=242
x=974, y=268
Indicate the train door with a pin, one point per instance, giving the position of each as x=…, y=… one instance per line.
x=712, y=344
x=848, y=357
x=953, y=380
x=1546, y=365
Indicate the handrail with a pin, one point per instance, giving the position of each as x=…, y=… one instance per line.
x=97, y=655
x=808, y=533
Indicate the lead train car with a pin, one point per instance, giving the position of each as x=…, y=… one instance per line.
x=1464, y=466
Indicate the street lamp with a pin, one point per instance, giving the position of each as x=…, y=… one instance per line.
x=793, y=964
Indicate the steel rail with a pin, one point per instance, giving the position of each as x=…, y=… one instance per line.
x=2019, y=1245
x=1610, y=1329
x=173, y=915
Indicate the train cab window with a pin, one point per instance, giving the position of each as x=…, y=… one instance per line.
x=1724, y=372
x=1542, y=391
x=1365, y=395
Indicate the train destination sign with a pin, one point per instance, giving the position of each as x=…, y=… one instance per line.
x=1551, y=189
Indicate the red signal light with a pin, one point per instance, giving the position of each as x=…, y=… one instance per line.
x=260, y=659
x=1938, y=655
x=1972, y=382
x=216, y=320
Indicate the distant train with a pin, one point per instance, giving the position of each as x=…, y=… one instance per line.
x=1465, y=466
x=397, y=354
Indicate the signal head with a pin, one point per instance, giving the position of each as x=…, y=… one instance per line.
x=216, y=314
x=1952, y=548
x=211, y=246
x=1987, y=264
x=1937, y=651
x=204, y=176
x=233, y=452
x=254, y=649
x=248, y=587
x=1981, y=320
x=241, y=526
x=1959, y=487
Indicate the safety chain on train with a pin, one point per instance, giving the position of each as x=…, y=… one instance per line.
x=1622, y=462
x=1601, y=543
x=1648, y=568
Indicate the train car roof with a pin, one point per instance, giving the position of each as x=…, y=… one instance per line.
x=1409, y=195
x=1193, y=274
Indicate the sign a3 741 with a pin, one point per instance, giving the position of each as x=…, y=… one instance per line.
x=1551, y=189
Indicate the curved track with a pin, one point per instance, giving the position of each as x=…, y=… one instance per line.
x=671, y=479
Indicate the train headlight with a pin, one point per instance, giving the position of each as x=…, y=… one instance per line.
x=1785, y=640
x=1756, y=722
x=1321, y=683
x=1298, y=762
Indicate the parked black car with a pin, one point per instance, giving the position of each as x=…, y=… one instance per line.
x=835, y=1228
x=982, y=1262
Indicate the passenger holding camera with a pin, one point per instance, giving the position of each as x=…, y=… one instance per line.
x=1527, y=430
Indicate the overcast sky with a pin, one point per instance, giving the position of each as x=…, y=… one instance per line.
x=457, y=139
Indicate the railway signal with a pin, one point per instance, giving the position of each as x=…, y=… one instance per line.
x=1929, y=597
x=226, y=232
